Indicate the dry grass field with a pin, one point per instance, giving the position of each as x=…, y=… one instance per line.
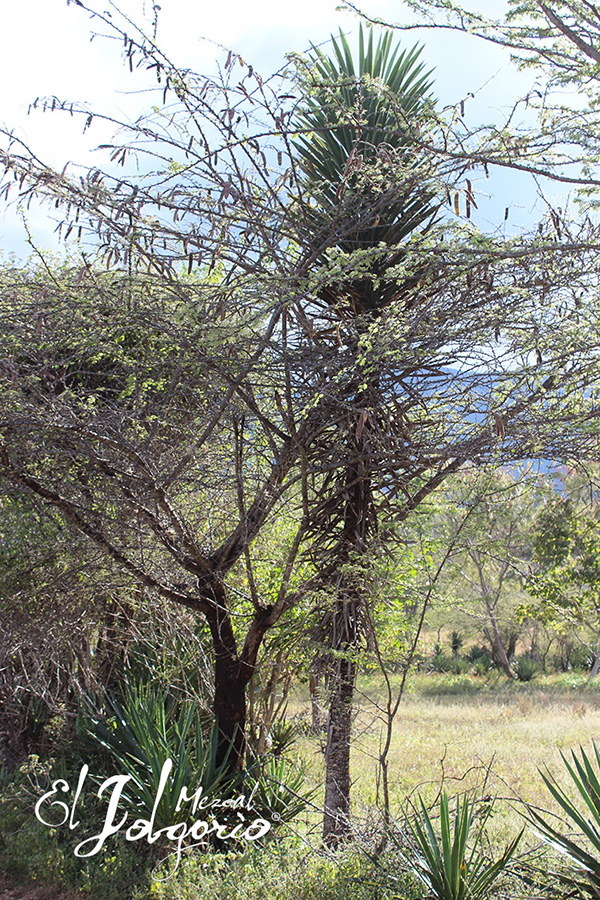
x=491, y=735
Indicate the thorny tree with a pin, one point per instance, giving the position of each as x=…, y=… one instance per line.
x=558, y=40
x=223, y=368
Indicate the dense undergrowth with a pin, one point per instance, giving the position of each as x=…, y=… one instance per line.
x=291, y=862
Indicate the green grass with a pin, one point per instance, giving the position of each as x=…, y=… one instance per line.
x=289, y=871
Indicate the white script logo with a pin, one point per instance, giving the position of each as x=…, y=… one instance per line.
x=143, y=829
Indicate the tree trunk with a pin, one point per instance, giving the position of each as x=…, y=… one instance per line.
x=500, y=655
x=233, y=670
x=337, y=754
x=355, y=498
x=230, y=712
x=596, y=664
x=314, y=689
x=230, y=682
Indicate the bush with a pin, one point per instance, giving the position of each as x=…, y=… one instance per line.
x=149, y=728
x=459, y=665
x=480, y=668
x=525, y=668
x=30, y=851
x=581, y=659
x=439, y=661
x=140, y=735
x=453, y=865
x=451, y=686
x=456, y=642
x=481, y=655
x=285, y=871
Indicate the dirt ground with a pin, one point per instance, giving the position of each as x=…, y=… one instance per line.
x=32, y=892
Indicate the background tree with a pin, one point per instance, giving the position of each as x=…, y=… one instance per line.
x=484, y=579
x=566, y=573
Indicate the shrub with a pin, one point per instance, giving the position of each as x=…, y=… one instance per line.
x=459, y=665
x=283, y=736
x=277, y=788
x=481, y=655
x=453, y=866
x=456, y=642
x=581, y=659
x=525, y=668
x=148, y=728
x=30, y=851
x=480, y=668
x=439, y=661
x=140, y=735
x=286, y=871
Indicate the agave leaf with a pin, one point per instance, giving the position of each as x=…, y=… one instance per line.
x=445, y=864
x=584, y=859
x=391, y=90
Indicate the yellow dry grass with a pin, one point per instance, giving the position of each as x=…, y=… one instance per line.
x=459, y=732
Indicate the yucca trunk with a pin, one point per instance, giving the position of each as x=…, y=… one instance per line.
x=344, y=640
x=314, y=690
x=336, y=823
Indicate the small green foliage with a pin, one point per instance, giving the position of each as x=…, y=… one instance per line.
x=30, y=851
x=480, y=660
x=525, y=668
x=480, y=668
x=456, y=642
x=149, y=728
x=141, y=734
x=283, y=736
x=439, y=660
x=284, y=871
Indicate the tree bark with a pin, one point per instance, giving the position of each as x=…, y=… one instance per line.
x=500, y=654
x=233, y=670
x=337, y=754
x=230, y=712
x=596, y=664
x=230, y=681
x=314, y=689
x=355, y=499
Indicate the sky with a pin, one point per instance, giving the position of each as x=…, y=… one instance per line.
x=45, y=50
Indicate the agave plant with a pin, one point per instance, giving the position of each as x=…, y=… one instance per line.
x=140, y=734
x=582, y=850
x=277, y=788
x=367, y=188
x=453, y=865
